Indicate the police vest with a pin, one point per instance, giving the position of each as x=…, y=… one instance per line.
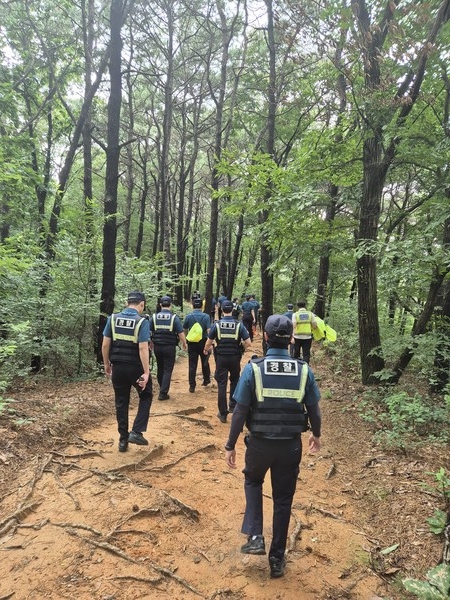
x=228, y=337
x=163, y=329
x=303, y=320
x=278, y=410
x=125, y=338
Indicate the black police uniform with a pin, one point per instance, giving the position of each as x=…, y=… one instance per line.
x=276, y=396
x=123, y=328
x=228, y=333
x=247, y=317
x=165, y=327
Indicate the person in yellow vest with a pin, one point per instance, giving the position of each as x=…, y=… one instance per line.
x=304, y=321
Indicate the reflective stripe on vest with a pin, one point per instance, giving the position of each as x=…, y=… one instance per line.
x=222, y=335
x=303, y=320
x=130, y=323
x=161, y=327
x=262, y=392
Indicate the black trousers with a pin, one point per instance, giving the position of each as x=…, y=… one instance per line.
x=247, y=322
x=165, y=361
x=283, y=458
x=305, y=347
x=124, y=377
x=195, y=352
x=227, y=364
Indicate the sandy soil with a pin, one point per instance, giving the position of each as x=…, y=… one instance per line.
x=80, y=520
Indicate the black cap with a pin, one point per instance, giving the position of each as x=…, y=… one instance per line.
x=279, y=329
x=290, y=306
x=226, y=306
x=166, y=301
x=135, y=297
x=197, y=302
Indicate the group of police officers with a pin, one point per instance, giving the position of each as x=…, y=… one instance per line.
x=276, y=396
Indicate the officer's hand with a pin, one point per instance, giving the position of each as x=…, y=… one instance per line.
x=143, y=380
x=230, y=457
x=314, y=444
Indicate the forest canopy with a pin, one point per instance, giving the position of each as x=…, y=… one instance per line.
x=291, y=150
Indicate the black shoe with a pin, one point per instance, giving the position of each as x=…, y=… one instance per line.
x=123, y=445
x=223, y=418
x=137, y=438
x=254, y=545
x=192, y=388
x=205, y=383
x=277, y=566
x=163, y=397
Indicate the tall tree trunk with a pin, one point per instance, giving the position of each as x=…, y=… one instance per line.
x=164, y=228
x=265, y=251
x=236, y=253
x=217, y=154
x=441, y=365
x=324, y=262
x=87, y=8
x=377, y=159
x=129, y=149
x=112, y=167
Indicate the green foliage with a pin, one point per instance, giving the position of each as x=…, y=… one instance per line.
x=437, y=521
x=402, y=421
x=437, y=586
x=442, y=485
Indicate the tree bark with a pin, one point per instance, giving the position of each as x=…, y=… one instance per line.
x=112, y=167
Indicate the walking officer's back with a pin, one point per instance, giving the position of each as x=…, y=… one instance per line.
x=231, y=339
x=166, y=329
x=126, y=358
x=276, y=397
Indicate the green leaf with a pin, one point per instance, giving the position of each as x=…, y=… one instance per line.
x=390, y=549
x=440, y=578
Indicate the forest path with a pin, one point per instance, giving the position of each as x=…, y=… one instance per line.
x=83, y=521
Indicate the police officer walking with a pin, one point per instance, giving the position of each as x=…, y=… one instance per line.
x=276, y=396
x=304, y=322
x=248, y=315
x=232, y=338
x=195, y=347
x=126, y=359
x=165, y=330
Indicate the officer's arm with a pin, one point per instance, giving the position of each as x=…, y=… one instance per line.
x=240, y=413
x=210, y=340
x=106, y=348
x=144, y=355
x=183, y=340
x=247, y=343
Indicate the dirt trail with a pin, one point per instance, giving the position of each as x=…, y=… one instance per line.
x=83, y=521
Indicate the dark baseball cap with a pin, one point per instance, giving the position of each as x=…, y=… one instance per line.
x=136, y=297
x=166, y=300
x=197, y=302
x=290, y=306
x=279, y=329
x=227, y=305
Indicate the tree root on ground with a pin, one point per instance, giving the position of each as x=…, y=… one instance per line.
x=208, y=448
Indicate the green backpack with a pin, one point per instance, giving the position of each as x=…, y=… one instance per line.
x=195, y=333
